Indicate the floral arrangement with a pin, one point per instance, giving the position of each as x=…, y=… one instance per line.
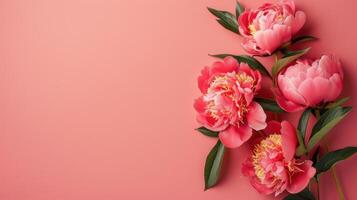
x=284, y=158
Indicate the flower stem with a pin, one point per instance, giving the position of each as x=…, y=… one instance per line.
x=317, y=111
x=338, y=184
x=336, y=179
x=318, y=188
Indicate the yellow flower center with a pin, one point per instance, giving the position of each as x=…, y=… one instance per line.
x=261, y=151
x=244, y=78
x=280, y=18
x=227, y=85
x=252, y=29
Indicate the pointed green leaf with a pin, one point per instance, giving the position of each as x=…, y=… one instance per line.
x=304, y=38
x=325, y=123
x=316, y=156
x=213, y=165
x=239, y=9
x=304, y=120
x=290, y=57
x=226, y=19
x=331, y=158
x=289, y=53
x=252, y=62
x=300, y=133
x=303, y=195
x=338, y=102
x=269, y=105
x=227, y=26
x=205, y=131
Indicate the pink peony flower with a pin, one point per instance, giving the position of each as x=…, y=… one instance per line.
x=227, y=102
x=272, y=167
x=309, y=83
x=271, y=25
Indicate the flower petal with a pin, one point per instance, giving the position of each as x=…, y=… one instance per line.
x=243, y=21
x=290, y=3
x=300, y=180
x=262, y=189
x=285, y=104
x=289, y=90
x=203, y=80
x=256, y=116
x=289, y=140
x=336, y=84
x=298, y=21
x=309, y=91
x=205, y=119
x=270, y=39
x=250, y=46
x=235, y=136
x=229, y=64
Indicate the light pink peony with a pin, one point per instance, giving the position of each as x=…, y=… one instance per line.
x=227, y=102
x=272, y=167
x=309, y=83
x=268, y=27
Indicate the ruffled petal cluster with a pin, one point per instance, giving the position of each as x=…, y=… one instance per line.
x=309, y=83
x=272, y=167
x=226, y=104
x=270, y=26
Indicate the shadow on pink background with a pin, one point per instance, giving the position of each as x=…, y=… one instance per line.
x=96, y=97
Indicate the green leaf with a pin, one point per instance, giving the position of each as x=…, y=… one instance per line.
x=304, y=120
x=227, y=26
x=325, y=123
x=289, y=53
x=316, y=156
x=338, y=102
x=301, y=149
x=226, y=19
x=331, y=158
x=239, y=9
x=213, y=165
x=252, y=62
x=302, y=126
x=285, y=51
x=288, y=58
x=304, y=38
x=269, y=105
x=303, y=195
x=207, y=132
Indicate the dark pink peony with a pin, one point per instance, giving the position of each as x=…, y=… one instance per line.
x=227, y=102
x=272, y=167
x=268, y=27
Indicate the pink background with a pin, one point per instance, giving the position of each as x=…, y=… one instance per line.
x=96, y=97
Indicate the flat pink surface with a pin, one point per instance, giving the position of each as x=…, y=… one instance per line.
x=96, y=97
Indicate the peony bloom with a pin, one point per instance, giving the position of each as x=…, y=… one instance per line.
x=227, y=102
x=272, y=167
x=309, y=83
x=271, y=25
